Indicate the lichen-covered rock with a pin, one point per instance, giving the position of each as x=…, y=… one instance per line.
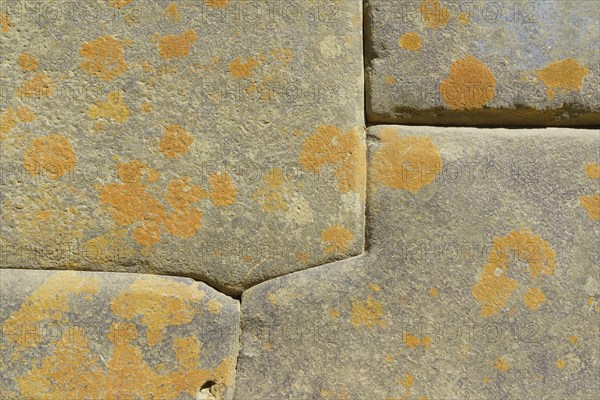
x=485, y=62
x=217, y=139
x=95, y=335
x=481, y=278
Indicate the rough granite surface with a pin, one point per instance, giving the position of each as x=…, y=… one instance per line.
x=483, y=62
x=216, y=139
x=70, y=335
x=481, y=278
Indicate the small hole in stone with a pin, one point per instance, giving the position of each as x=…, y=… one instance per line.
x=208, y=385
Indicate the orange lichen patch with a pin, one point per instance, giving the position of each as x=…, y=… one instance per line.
x=464, y=18
x=5, y=23
x=592, y=170
x=103, y=58
x=38, y=86
x=337, y=239
x=53, y=154
x=335, y=313
x=270, y=196
x=303, y=256
x=433, y=292
x=185, y=220
x=534, y=298
x=408, y=381
x=214, y=306
x=413, y=341
x=217, y=3
x=175, y=141
x=369, y=313
x=27, y=62
x=501, y=365
x=434, y=14
x=25, y=115
x=469, y=86
x=119, y=3
x=560, y=363
x=172, y=13
x=592, y=205
x=405, y=162
x=8, y=121
x=181, y=195
x=223, y=192
x=147, y=234
x=48, y=303
x=160, y=302
x=344, y=151
x=184, y=223
x=410, y=41
x=114, y=108
x=494, y=288
x=146, y=107
x=171, y=46
x=574, y=339
x=243, y=68
x=109, y=247
x=390, y=80
x=566, y=74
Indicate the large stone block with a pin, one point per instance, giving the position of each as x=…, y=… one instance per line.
x=483, y=62
x=481, y=278
x=94, y=335
x=221, y=140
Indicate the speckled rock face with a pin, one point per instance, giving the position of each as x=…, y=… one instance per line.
x=481, y=278
x=483, y=62
x=217, y=139
x=93, y=335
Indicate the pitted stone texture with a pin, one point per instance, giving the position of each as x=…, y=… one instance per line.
x=484, y=62
x=220, y=140
x=95, y=335
x=481, y=279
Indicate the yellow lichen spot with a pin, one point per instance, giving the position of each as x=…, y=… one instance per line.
x=566, y=74
x=217, y=3
x=185, y=220
x=408, y=381
x=411, y=340
x=49, y=303
x=214, y=306
x=369, y=313
x=390, y=80
x=38, y=86
x=187, y=351
x=240, y=68
x=172, y=13
x=27, y=62
x=405, y=162
x=534, y=298
x=272, y=297
x=335, y=313
x=152, y=175
x=374, y=287
x=560, y=363
x=592, y=205
x=303, y=257
x=344, y=151
x=410, y=41
x=494, y=288
x=43, y=215
x=8, y=121
x=337, y=239
x=171, y=46
x=53, y=154
x=434, y=14
x=592, y=170
x=501, y=365
x=114, y=108
x=103, y=58
x=160, y=303
x=574, y=339
x=119, y=3
x=223, y=192
x=5, y=23
x=109, y=247
x=175, y=141
x=433, y=292
x=389, y=358
x=464, y=18
x=270, y=197
x=25, y=115
x=146, y=107
x=469, y=86
x=486, y=379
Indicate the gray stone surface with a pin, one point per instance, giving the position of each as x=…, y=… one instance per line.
x=483, y=62
x=221, y=140
x=70, y=335
x=481, y=278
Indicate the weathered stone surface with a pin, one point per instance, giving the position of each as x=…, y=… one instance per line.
x=221, y=140
x=95, y=335
x=484, y=62
x=481, y=279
